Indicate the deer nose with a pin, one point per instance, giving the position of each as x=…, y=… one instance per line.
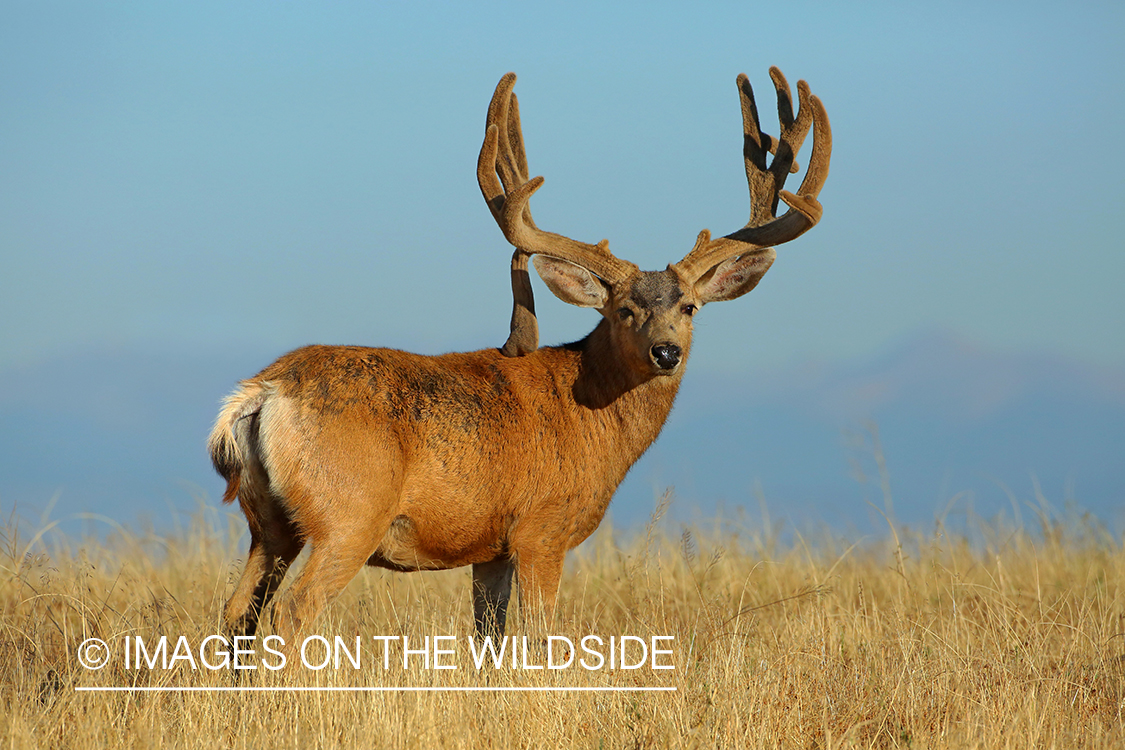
x=666, y=356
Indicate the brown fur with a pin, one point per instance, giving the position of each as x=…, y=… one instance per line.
x=499, y=459
x=424, y=463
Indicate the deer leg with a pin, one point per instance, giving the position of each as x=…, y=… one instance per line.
x=266, y=567
x=321, y=580
x=336, y=558
x=274, y=543
x=492, y=587
x=538, y=573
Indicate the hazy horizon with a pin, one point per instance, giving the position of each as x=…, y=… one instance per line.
x=964, y=432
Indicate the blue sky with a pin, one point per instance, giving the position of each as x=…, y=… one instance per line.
x=209, y=176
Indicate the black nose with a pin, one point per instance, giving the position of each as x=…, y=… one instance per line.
x=666, y=356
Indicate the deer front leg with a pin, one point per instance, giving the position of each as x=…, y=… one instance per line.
x=492, y=588
x=538, y=571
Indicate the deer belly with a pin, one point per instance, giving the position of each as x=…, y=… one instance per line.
x=434, y=543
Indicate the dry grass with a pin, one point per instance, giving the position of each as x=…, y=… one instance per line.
x=927, y=641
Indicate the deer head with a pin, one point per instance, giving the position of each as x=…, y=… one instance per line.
x=650, y=312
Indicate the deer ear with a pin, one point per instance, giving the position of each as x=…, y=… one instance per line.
x=571, y=283
x=734, y=277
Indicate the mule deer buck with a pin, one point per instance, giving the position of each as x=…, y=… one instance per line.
x=502, y=459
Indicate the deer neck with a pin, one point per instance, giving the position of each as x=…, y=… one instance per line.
x=607, y=391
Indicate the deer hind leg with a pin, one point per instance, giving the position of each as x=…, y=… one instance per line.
x=332, y=564
x=274, y=543
x=342, y=541
x=492, y=588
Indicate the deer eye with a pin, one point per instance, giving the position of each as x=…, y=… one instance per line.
x=688, y=309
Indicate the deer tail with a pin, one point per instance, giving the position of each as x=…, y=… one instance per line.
x=237, y=417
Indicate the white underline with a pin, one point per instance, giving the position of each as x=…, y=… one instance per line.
x=279, y=689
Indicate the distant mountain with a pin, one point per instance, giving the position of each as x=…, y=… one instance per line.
x=951, y=420
x=941, y=373
x=121, y=434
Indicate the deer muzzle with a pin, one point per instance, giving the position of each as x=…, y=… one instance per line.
x=666, y=356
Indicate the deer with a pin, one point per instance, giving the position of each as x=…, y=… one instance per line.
x=501, y=459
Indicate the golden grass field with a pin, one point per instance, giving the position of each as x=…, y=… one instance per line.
x=917, y=640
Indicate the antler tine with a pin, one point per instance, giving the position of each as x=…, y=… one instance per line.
x=502, y=165
x=765, y=183
x=765, y=229
x=502, y=174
